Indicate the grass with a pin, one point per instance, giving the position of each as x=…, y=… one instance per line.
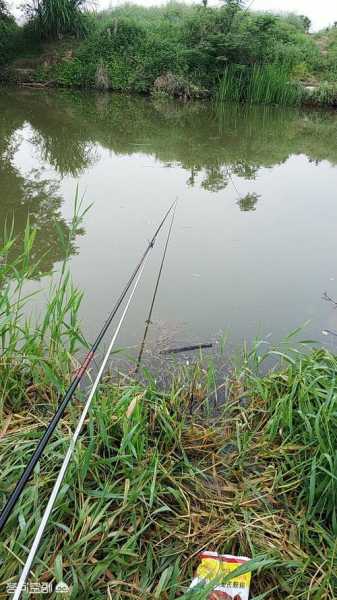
x=41, y=352
x=323, y=95
x=259, y=84
x=159, y=475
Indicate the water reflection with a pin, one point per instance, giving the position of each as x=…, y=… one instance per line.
x=70, y=127
x=68, y=130
x=247, y=176
x=248, y=202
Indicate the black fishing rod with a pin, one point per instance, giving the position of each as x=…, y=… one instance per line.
x=15, y=495
x=148, y=320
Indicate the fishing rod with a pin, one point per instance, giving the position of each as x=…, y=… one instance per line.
x=15, y=495
x=148, y=320
x=66, y=460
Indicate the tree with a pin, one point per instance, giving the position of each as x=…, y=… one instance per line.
x=4, y=12
x=306, y=22
x=8, y=34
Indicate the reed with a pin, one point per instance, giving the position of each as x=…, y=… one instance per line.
x=259, y=84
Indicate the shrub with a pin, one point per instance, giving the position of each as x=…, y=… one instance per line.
x=8, y=34
x=55, y=18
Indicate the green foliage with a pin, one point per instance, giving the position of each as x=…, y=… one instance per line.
x=301, y=22
x=128, y=48
x=41, y=350
x=260, y=84
x=53, y=18
x=303, y=405
x=325, y=93
x=326, y=67
x=8, y=34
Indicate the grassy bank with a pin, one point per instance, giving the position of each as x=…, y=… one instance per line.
x=161, y=474
x=177, y=50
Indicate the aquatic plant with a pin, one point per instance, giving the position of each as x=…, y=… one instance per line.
x=259, y=84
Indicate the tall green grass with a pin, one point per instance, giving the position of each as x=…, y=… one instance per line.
x=159, y=475
x=259, y=84
x=36, y=355
x=153, y=483
x=52, y=19
x=303, y=406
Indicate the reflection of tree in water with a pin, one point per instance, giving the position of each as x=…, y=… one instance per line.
x=38, y=199
x=243, y=138
x=69, y=127
x=248, y=202
x=244, y=169
x=31, y=195
x=67, y=155
x=216, y=179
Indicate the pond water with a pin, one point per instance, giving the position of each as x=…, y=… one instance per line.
x=254, y=243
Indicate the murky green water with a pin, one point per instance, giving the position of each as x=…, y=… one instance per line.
x=254, y=244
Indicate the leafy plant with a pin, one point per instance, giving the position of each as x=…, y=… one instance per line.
x=54, y=18
x=8, y=34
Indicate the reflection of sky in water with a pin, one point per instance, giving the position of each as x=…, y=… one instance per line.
x=247, y=273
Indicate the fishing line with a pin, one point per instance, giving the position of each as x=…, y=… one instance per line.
x=15, y=495
x=58, y=482
x=148, y=320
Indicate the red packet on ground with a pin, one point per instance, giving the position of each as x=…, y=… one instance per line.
x=214, y=566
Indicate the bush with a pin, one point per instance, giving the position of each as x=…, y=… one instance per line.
x=8, y=35
x=120, y=36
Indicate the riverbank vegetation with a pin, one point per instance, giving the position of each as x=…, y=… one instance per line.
x=179, y=50
x=9, y=33
x=162, y=473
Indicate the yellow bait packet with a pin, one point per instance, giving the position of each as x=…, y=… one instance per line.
x=214, y=566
